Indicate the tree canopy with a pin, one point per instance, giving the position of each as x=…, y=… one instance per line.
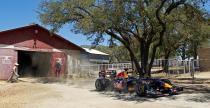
x=144, y=22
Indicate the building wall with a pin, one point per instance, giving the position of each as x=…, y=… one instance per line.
x=100, y=57
x=89, y=58
x=7, y=59
x=36, y=38
x=73, y=62
x=204, y=59
x=62, y=56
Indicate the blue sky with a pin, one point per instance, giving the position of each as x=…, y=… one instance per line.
x=17, y=13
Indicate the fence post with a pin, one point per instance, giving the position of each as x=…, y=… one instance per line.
x=184, y=67
x=189, y=65
x=193, y=69
x=177, y=71
x=89, y=70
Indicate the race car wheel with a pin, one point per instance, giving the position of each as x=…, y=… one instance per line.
x=99, y=85
x=141, y=89
x=107, y=85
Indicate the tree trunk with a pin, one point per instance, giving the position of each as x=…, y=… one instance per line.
x=135, y=61
x=183, y=52
x=152, y=58
x=195, y=53
x=166, y=62
x=144, y=59
x=132, y=64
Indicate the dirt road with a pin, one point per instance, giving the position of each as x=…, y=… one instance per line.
x=82, y=95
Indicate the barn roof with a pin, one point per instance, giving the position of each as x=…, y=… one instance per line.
x=44, y=29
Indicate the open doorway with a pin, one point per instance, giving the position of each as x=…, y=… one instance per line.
x=34, y=64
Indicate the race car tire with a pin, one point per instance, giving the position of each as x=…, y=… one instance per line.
x=141, y=89
x=99, y=85
x=108, y=84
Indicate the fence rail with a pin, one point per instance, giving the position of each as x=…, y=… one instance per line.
x=176, y=67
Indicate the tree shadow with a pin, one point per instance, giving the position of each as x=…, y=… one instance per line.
x=205, y=97
x=128, y=97
x=131, y=97
x=196, y=88
x=191, y=80
x=191, y=93
x=43, y=80
x=201, y=92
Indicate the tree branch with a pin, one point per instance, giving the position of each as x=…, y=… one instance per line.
x=173, y=6
x=111, y=33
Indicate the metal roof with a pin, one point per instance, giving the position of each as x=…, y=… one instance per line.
x=41, y=27
x=93, y=51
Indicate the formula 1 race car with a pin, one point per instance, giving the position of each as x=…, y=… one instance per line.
x=142, y=86
x=156, y=87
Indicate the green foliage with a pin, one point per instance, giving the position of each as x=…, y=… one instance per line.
x=186, y=30
x=141, y=26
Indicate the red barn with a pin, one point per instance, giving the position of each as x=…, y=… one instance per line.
x=36, y=50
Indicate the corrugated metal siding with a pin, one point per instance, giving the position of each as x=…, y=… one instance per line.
x=73, y=62
x=7, y=59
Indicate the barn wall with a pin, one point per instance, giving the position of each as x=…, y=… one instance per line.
x=204, y=59
x=73, y=62
x=38, y=39
x=63, y=58
x=7, y=59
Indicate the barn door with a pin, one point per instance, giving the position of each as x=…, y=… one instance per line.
x=58, y=57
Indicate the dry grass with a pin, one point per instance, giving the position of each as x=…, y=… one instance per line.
x=19, y=95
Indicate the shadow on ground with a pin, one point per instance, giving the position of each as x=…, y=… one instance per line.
x=43, y=80
x=196, y=88
x=205, y=97
x=191, y=81
x=191, y=93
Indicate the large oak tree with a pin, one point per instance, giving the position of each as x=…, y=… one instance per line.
x=123, y=20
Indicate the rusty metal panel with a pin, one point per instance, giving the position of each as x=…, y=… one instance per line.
x=7, y=59
x=58, y=56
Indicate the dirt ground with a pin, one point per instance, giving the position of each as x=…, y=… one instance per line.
x=81, y=94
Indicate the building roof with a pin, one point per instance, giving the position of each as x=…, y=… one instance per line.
x=93, y=51
x=41, y=27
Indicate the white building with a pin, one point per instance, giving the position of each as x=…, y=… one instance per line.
x=96, y=57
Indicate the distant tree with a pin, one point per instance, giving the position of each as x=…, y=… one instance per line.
x=188, y=33
x=197, y=35
x=122, y=20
